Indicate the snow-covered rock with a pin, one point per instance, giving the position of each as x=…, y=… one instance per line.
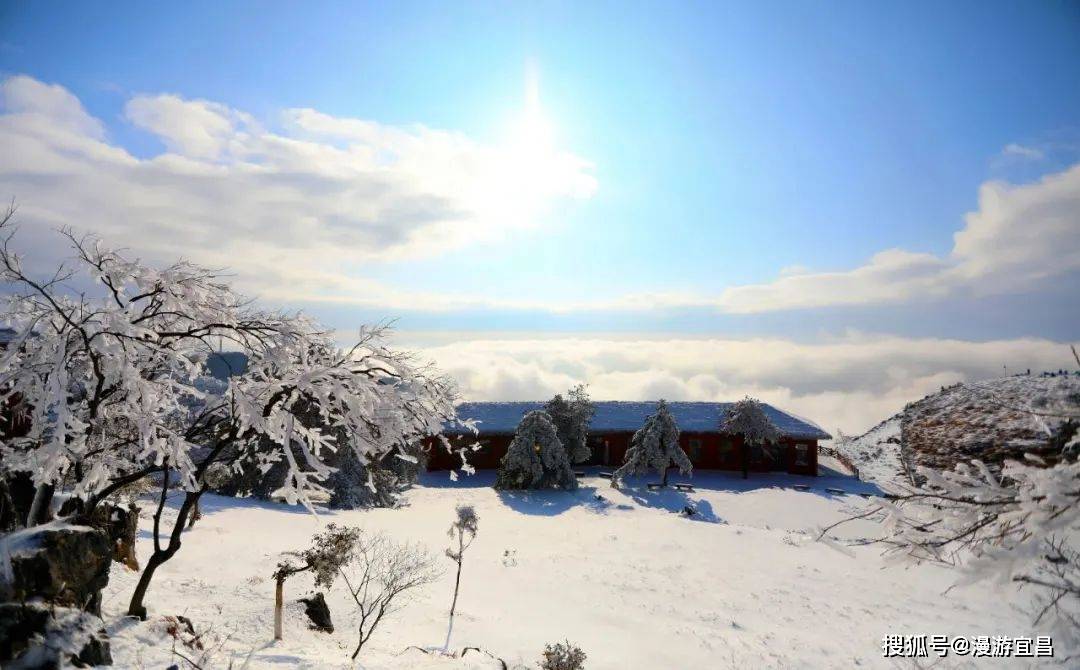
x=990, y=420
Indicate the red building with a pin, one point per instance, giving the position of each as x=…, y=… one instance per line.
x=615, y=423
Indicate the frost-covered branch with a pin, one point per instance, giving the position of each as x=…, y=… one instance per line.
x=114, y=382
x=1020, y=526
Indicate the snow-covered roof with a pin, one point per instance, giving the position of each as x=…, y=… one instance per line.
x=622, y=416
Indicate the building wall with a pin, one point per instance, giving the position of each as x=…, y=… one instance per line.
x=707, y=451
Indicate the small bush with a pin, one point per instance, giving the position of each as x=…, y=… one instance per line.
x=562, y=656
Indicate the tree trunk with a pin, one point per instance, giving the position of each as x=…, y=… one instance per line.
x=196, y=514
x=663, y=478
x=39, y=508
x=136, y=607
x=745, y=461
x=279, y=605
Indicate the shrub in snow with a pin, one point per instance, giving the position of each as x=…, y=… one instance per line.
x=462, y=532
x=535, y=458
x=655, y=446
x=571, y=416
x=562, y=656
x=379, y=572
x=748, y=419
x=329, y=552
x=113, y=377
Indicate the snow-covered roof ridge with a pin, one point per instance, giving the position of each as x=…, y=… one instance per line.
x=628, y=416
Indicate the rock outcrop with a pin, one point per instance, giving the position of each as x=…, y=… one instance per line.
x=51, y=578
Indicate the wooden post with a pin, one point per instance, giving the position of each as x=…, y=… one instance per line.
x=279, y=604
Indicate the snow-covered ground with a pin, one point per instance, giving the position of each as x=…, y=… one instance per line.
x=624, y=576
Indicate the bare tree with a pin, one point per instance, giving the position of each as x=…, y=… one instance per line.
x=381, y=571
x=329, y=552
x=463, y=530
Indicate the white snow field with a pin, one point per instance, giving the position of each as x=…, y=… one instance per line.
x=626, y=577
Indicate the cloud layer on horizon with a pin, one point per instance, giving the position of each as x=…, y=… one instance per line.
x=848, y=383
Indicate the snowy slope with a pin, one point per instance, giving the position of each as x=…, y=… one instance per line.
x=876, y=453
x=631, y=581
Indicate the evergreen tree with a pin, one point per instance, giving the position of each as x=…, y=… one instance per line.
x=536, y=458
x=571, y=416
x=655, y=446
x=748, y=418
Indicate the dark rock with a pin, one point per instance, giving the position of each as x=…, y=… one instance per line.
x=16, y=496
x=122, y=526
x=120, y=523
x=96, y=651
x=62, y=564
x=318, y=612
x=43, y=637
x=19, y=623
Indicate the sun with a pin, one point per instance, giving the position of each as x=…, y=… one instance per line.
x=532, y=135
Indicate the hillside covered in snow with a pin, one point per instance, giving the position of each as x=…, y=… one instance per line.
x=991, y=420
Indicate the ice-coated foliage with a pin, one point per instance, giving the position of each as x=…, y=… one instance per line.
x=747, y=418
x=571, y=416
x=111, y=376
x=1022, y=526
x=655, y=446
x=536, y=458
x=1019, y=524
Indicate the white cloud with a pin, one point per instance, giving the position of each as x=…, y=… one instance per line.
x=23, y=95
x=194, y=128
x=304, y=207
x=1020, y=237
x=298, y=212
x=1014, y=150
x=847, y=383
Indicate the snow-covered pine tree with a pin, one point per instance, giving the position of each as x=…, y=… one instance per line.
x=748, y=419
x=536, y=458
x=571, y=416
x=655, y=446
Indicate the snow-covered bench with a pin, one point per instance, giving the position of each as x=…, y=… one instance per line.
x=686, y=488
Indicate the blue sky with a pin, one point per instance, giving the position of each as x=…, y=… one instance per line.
x=699, y=154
